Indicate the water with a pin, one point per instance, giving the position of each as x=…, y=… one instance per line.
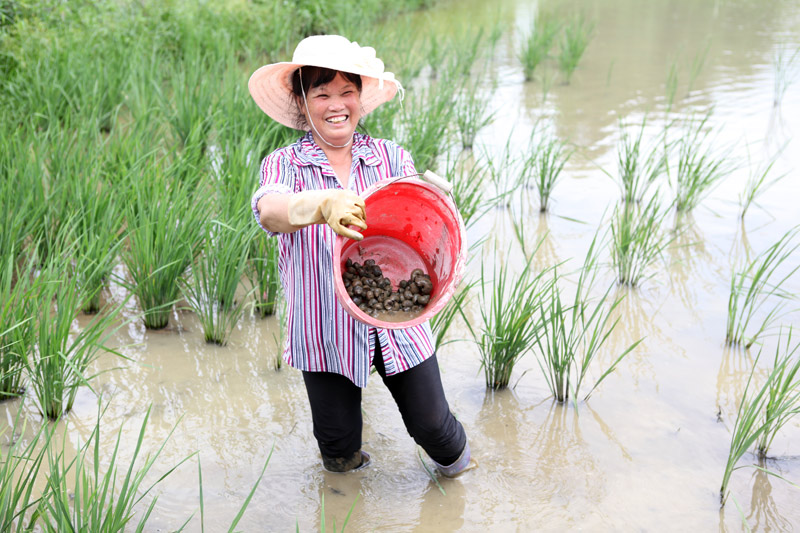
x=647, y=451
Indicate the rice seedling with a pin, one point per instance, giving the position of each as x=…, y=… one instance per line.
x=425, y=122
x=164, y=234
x=699, y=167
x=508, y=326
x=96, y=232
x=504, y=173
x=190, y=104
x=545, y=162
x=468, y=179
x=571, y=334
x=19, y=469
x=784, y=63
x=576, y=37
x=20, y=188
x=210, y=289
x=263, y=273
x=764, y=412
x=753, y=286
x=537, y=43
x=323, y=519
x=472, y=112
x=637, y=239
x=82, y=497
x=758, y=182
x=57, y=368
x=638, y=166
x=16, y=323
x=441, y=322
x=782, y=401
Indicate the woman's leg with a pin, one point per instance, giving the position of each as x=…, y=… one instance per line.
x=420, y=397
x=336, y=413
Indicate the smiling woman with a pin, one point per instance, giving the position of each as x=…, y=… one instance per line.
x=309, y=191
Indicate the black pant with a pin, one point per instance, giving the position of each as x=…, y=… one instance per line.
x=336, y=411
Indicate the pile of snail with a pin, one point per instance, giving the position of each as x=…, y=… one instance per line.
x=372, y=292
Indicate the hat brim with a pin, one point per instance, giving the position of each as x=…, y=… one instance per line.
x=271, y=88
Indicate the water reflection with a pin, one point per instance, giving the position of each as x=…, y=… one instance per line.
x=764, y=513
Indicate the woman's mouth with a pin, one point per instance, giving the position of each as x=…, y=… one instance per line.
x=336, y=119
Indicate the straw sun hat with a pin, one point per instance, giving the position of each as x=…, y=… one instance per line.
x=271, y=85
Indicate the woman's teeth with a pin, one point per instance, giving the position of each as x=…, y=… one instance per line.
x=336, y=120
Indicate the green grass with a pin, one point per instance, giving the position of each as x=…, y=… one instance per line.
x=443, y=320
x=699, y=167
x=508, y=304
x=536, y=45
x=425, y=121
x=543, y=166
x=17, y=306
x=216, y=274
x=572, y=333
x=758, y=284
x=469, y=179
x=58, y=366
x=263, y=273
x=763, y=412
x=80, y=496
x=19, y=468
x=574, y=41
x=638, y=165
x=472, y=111
x=758, y=182
x=637, y=239
x=165, y=228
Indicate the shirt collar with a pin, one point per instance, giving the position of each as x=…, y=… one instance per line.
x=309, y=153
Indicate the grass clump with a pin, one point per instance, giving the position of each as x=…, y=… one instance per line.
x=638, y=166
x=577, y=34
x=81, y=497
x=264, y=274
x=538, y=42
x=546, y=160
x=19, y=469
x=17, y=299
x=754, y=285
x=165, y=226
x=468, y=178
x=472, y=112
x=572, y=333
x=508, y=325
x=637, y=239
x=699, y=168
x=215, y=276
x=57, y=368
x=757, y=183
x=761, y=415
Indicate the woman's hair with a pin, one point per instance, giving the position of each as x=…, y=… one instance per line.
x=314, y=77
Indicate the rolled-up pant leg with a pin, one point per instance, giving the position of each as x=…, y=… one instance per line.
x=336, y=414
x=420, y=397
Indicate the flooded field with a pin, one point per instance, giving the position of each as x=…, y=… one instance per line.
x=647, y=451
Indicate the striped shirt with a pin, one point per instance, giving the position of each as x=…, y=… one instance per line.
x=321, y=336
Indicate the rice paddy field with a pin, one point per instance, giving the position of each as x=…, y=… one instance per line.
x=624, y=353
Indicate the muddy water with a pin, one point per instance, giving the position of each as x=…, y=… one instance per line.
x=647, y=451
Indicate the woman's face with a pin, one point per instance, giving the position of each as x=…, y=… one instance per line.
x=335, y=109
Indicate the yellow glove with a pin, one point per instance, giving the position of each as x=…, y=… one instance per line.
x=338, y=208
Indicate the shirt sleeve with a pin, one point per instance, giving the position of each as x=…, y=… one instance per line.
x=406, y=162
x=277, y=176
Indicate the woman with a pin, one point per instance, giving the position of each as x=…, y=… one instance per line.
x=309, y=191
